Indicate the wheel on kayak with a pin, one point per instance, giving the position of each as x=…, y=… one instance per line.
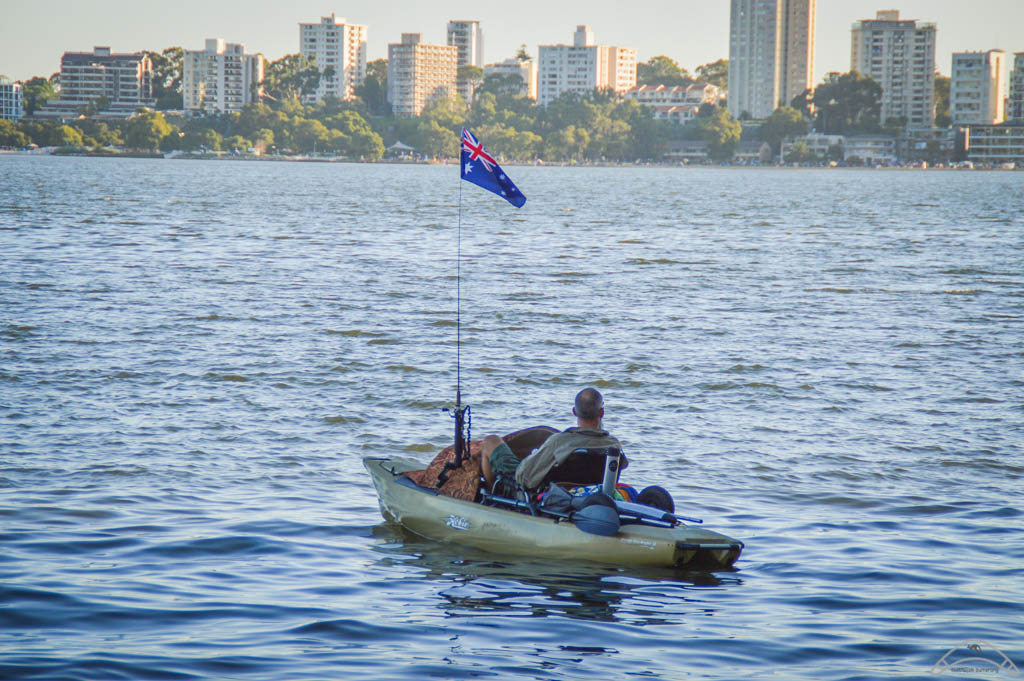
x=657, y=497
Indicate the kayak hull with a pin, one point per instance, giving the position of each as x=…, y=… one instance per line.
x=498, y=530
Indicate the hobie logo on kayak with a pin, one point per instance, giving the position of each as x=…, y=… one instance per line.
x=975, y=657
x=457, y=522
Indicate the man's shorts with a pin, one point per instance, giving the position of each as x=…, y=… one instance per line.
x=503, y=461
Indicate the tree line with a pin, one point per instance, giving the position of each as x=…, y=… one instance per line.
x=599, y=126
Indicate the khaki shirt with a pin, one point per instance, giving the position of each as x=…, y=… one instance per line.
x=556, y=449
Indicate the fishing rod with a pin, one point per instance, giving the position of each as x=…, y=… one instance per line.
x=460, y=412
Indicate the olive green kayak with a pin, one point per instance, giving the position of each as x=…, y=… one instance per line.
x=500, y=530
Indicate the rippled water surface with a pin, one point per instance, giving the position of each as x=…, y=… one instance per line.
x=194, y=357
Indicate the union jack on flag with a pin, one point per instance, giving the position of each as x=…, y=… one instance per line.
x=480, y=168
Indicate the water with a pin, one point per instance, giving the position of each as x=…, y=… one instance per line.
x=194, y=357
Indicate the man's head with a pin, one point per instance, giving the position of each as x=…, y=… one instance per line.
x=589, y=408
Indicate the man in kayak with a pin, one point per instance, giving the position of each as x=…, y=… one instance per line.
x=496, y=458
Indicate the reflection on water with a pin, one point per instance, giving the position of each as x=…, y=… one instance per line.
x=473, y=582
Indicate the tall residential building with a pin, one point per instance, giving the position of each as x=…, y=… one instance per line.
x=469, y=39
x=221, y=78
x=525, y=69
x=419, y=73
x=1016, y=108
x=339, y=45
x=797, y=65
x=12, y=106
x=117, y=84
x=771, y=54
x=583, y=67
x=900, y=57
x=977, y=88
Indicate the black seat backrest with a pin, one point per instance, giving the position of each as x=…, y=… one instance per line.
x=584, y=466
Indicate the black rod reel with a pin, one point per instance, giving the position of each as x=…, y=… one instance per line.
x=463, y=424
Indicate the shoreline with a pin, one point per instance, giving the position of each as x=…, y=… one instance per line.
x=275, y=158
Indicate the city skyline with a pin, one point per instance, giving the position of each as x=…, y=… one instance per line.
x=690, y=32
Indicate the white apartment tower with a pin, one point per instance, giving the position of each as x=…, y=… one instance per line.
x=12, y=106
x=340, y=46
x=221, y=78
x=977, y=88
x=771, y=54
x=467, y=37
x=583, y=67
x=900, y=57
x=419, y=73
x=1016, y=101
x=124, y=82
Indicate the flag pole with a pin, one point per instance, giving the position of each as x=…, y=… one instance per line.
x=460, y=411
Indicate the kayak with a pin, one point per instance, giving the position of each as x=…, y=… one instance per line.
x=425, y=512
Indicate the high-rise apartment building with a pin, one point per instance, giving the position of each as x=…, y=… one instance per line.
x=419, y=73
x=117, y=84
x=221, y=78
x=900, y=57
x=12, y=106
x=526, y=70
x=796, y=68
x=467, y=37
x=771, y=54
x=977, y=88
x=337, y=45
x=583, y=67
x=1016, y=108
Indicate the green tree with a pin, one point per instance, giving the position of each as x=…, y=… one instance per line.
x=360, y=138
x=802, y=103
x=167, y=75
x=497, y=84
x=799, y=153
x=522, y=54
x=292, y=76
x=146, y=130
x=567, y=144
x=847, y=104
x=11, y=136
x=784, y=122
x=205, y=139
x=716, y=73
x=433, y=139
x=235, y=143
x=662, y=70
x=374, y=90
x=717, y=127
x=942, y=117
x=308, y=135
x=38, y=91
x=64, y=136
x=471, y=77
x=100, y=132
x=258, y=116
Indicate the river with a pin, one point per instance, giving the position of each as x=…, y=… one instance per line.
x=195, y=356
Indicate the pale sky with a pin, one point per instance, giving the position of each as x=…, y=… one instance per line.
x=34, y=33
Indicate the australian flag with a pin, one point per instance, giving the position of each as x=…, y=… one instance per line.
x=481, y=169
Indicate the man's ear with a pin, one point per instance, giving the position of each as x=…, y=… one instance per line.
x=574, y=412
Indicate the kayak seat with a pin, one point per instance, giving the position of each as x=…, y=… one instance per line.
x=583, y=466
x=523, y=442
